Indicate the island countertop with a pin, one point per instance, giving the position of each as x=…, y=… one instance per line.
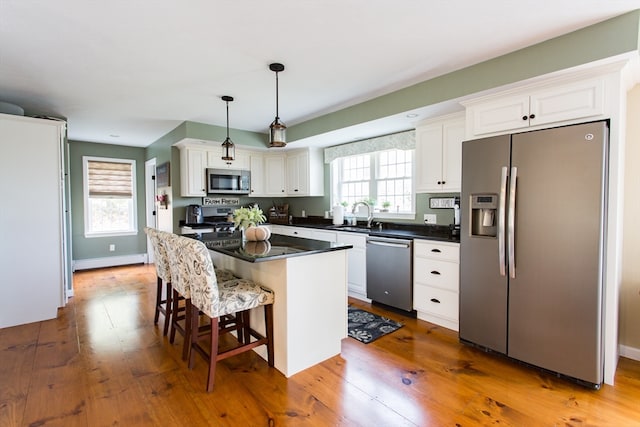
x=277, y=247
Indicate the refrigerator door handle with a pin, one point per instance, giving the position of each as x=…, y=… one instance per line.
x=511, y=222
x=501, y=221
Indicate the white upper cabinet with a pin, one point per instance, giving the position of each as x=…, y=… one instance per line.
x=534, y=107
x=305, y=173
x=256, y=162
x=439, y=154
x=196, y=157
x=214, y=159
x=274, y=175
x=193, y=162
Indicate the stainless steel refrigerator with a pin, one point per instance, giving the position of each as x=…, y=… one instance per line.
x=533, y=209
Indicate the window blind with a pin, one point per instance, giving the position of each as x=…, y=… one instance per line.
x=110, y=179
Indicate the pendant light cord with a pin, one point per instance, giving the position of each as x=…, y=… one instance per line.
x=277, y=114
x=227, y=119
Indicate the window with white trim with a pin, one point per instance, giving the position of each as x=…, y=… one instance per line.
x=109, y=196
x=384, y=179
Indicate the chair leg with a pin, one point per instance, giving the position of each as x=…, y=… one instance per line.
x=186, y=344
x=213, y=354
x=195, y=325
x=268, y=322
x=158, y=300
x=168, y=309
x=246, y=325
x=174, y=315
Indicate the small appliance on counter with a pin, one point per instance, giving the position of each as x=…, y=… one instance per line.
x=194, y=215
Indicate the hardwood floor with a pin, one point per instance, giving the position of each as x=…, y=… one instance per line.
x=104, y=363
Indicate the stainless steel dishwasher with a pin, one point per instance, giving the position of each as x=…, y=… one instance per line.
x=390, y=272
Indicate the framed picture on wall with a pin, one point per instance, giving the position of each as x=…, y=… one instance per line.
x=162, y=175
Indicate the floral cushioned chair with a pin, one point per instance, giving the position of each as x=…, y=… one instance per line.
x=180, y=288
x=217, y=300
x=163, y=274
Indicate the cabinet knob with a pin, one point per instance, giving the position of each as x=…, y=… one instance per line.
x=524, y=117
x=444, y=182
x=436, y=300
x=295, y=189
x=533, y=116
x=283, y=191
x=439, y=182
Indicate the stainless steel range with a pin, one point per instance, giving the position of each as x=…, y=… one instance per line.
x=214, y=219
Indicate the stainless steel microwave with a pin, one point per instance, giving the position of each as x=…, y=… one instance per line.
x=228, y=181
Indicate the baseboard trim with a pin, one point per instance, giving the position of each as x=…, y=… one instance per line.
x=629, y=352
x=114, y=261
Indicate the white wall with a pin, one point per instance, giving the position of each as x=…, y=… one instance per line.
x=629, y=327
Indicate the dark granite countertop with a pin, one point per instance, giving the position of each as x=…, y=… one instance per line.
x=277, y=247
x=440, y=233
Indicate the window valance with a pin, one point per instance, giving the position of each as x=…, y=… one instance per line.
x=400, y=141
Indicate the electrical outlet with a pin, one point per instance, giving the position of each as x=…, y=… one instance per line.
x=430, y=218
x=112, y=247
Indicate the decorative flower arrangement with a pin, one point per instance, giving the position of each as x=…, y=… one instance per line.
x=247, y=217
x=163, y=200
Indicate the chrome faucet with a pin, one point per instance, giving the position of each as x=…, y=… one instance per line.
x=369, y=211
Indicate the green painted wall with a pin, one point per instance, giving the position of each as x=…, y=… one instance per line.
x=98, y=247
x=603, y=40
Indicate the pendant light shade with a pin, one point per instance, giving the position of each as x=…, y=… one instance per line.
x=228, y=147
x=277, y=129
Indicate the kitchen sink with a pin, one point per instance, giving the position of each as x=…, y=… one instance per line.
x=352, y=228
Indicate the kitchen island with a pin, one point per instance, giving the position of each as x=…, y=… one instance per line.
x=309, y=279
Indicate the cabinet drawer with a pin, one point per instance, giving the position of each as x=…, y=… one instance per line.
x=435, y=301
x=443, y=251
x=442, y=274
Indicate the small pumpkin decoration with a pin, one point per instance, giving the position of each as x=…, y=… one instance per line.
x=259, y=248
x=257, y=233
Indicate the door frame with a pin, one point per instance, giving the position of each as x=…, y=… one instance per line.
x=150, y=201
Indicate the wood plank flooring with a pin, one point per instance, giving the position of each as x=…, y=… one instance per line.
x=104, y=363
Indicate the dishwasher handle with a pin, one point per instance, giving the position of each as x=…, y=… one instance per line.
x=392, y=243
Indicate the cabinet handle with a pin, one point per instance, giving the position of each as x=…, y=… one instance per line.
x=533, y=116
x=436, y=300
x=295, y=189
x=436, y=250
x=437, y=273
x=524, y=117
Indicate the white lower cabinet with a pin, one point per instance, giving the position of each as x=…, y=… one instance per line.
x=436, y=281
x=357, y=265
x=292, y=231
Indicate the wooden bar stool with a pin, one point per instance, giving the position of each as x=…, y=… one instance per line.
x=163, y=275
x=217, y=300
x=181, y=287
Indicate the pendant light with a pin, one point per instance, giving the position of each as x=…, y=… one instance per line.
x=277, y=129
x=228, y=147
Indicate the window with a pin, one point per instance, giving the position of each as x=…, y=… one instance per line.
x=383, y=178
x=109, y=195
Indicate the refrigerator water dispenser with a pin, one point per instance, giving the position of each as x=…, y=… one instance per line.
x=484, y=215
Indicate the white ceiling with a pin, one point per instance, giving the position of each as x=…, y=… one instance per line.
x=139, y=68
